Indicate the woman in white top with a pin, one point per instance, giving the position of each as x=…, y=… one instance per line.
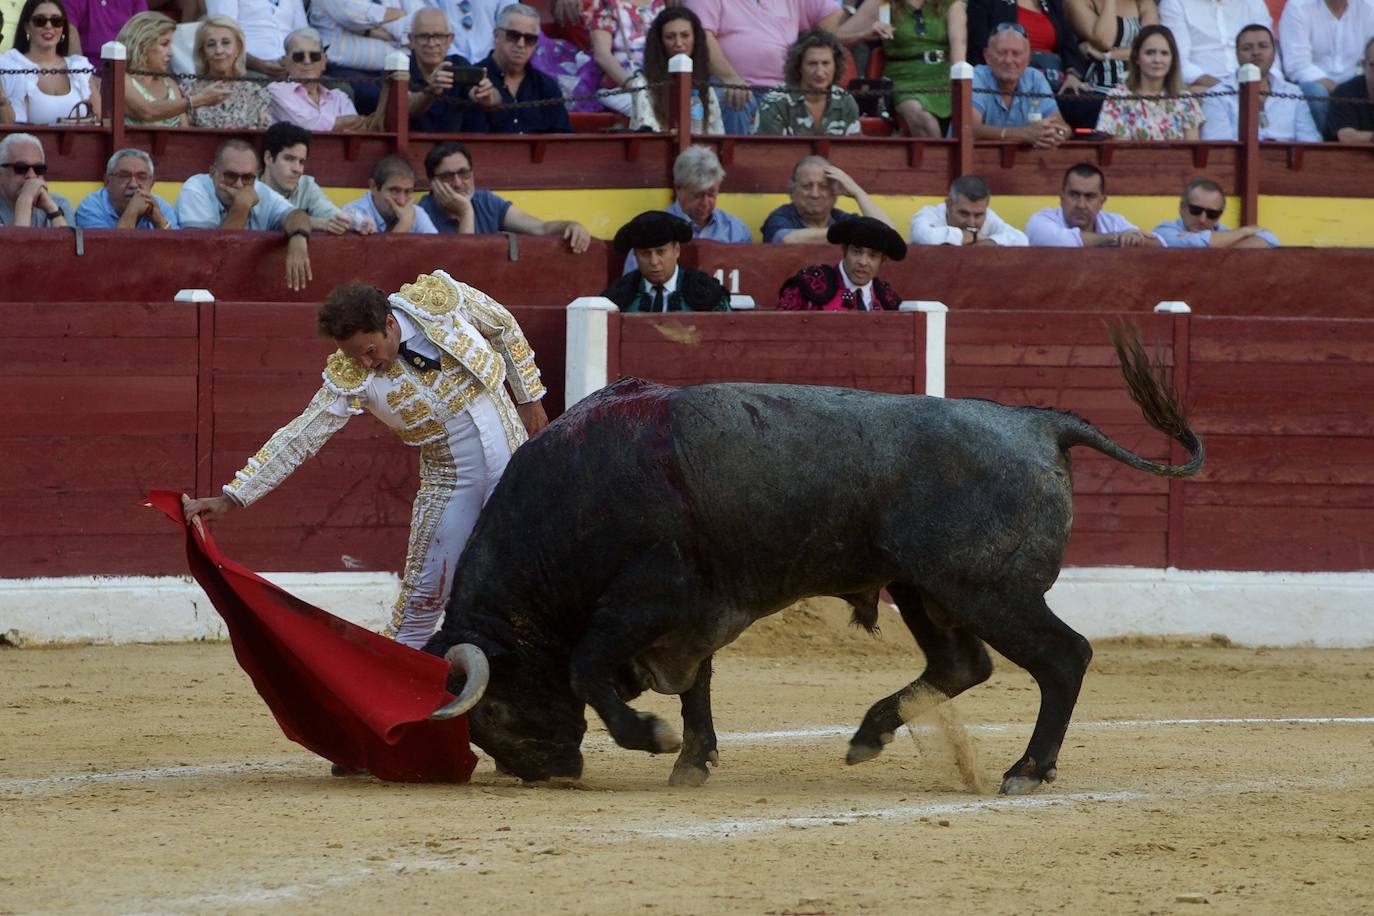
x=41, y=44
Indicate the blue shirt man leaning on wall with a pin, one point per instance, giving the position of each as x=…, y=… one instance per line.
x=127, y=201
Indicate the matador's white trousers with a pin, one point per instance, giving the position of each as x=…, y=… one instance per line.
x=457, y=475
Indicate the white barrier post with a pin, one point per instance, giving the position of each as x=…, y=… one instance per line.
x=935, y=342
x=194, y=295
x=1173, y=307
x=588, y=367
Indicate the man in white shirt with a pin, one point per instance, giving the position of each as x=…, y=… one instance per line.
x=1080, y=222
x=473, y=23
x=265, y=24
x=1322, y=44
x=964, y=219
x=1283, y=119
x=1205, y=32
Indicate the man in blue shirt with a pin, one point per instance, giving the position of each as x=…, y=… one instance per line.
x=127, y=201
x=697, y=177
x=230, y=196
x=814, y=188
x=517, y=32
x=1199, y=222
x=997, y=113
x=455, y=205
x=390, y=199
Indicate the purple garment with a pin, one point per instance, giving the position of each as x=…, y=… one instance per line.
x=99, y=21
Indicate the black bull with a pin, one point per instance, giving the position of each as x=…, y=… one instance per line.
x=648, y=527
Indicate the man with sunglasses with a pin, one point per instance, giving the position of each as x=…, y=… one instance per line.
x=127, y=201
x=508, y=68
x=1199, y=222
x=24, y=196
x=230, y=196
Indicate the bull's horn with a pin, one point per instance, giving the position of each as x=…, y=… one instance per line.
x=465, y=658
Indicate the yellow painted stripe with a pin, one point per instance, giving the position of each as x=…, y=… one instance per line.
x=1323, y=222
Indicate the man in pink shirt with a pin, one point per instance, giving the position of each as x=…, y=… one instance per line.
x=748, y=41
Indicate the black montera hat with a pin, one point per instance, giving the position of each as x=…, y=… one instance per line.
x=651, y=229
x=869, y=233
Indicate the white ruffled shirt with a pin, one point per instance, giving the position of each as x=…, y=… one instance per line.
x=31, y=104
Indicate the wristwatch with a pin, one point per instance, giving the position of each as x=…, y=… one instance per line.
x=303, y=233
x=52, y=214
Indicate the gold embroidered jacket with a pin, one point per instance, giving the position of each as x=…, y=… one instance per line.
x=481, y=348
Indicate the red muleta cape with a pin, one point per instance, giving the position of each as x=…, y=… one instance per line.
x=355, y=698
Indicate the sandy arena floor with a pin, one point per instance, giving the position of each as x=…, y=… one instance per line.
x=1196, y=778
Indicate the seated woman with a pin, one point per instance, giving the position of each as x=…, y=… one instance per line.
x=221, y=56
x=811, y=104
x=854, y=286
x=42, y=43
x=304, y=101
x=676, y=30
x=923, y=39
x=1106, y=30
x=1054, y=50
x=151, y=97
x=1155, y=70
x=619, y=30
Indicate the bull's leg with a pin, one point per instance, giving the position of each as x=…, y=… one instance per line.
x=698, y=732
x=1028, y=634
x=955, y=661
x=611, y=641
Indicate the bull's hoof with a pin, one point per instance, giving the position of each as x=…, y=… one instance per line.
x=689, y=774
x=1019, y=785
x=662, y=738
x=860, y=752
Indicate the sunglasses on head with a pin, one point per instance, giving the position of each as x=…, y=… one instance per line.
x=23, y=168
x=1198, y=211
x=1016, y=27
x=465, y=8
x=43, y=22
x=515, y=37
x=301, y=57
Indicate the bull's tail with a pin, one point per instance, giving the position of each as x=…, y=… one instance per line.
x=1158, y=402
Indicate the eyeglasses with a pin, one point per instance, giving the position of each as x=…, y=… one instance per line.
x=432, y=38
x=43, y=22
x=515, y=37
x=1198, y=211
x=238, y=178
x=461, y=174
x=142, y=177
x=23, y=168
x=465, y=7
x=1016, y=27
x=301, y=57
x=920, y=17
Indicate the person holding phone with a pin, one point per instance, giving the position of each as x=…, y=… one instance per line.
x=441, y=84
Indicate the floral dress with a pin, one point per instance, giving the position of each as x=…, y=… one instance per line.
x=1148, y=119
x=628, y=24
x=247, y=107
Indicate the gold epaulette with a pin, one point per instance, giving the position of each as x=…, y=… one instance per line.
x=344, y=374
x=431, y=295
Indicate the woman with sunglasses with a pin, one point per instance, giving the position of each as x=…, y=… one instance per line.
x=42, y=43
x=1155, y=70
x=676, y=30
x=923, y=39
x=151, y=97
x=306, y=102
x=222, y=61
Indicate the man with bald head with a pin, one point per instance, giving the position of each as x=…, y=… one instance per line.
x=442, y=87
x=1011, y=99
x=814, y=188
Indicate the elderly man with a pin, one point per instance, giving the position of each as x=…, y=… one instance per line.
x=508, y=68
x=439, y=99
x=999, y=113
x=1079, y=221
x=853, y=286
x=1322, y=44
x=1205, y=32
x=965, y=218
x=748, y=45
x=454, y=204
x=305, y=100
x=1351, y=122
x=473, y=23
x=359, y=34
x=432, y=362
x=230, y=196
x=661, y=284
x=24, y=196
x=1285, y=119
x=814, y=188
x=1199, y=222
x=285, y=149
x=697, y=177
x=127, y=201
x=265, y=24
x=389, y=203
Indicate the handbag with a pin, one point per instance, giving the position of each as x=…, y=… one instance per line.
x=81, y=113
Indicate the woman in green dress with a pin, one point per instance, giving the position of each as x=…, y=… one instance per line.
x=921, y=41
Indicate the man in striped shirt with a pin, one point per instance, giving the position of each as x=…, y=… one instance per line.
x=359, y=34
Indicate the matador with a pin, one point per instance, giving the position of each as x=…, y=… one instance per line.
x=432, y=362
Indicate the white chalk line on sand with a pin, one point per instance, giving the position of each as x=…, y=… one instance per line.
x=50, y=785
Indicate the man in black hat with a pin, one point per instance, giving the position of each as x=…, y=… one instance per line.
x=853, y=286
x=660, y=284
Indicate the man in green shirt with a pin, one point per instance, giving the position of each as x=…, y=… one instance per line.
x=285, y=148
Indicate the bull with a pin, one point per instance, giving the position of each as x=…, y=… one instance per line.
x=648, y=526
